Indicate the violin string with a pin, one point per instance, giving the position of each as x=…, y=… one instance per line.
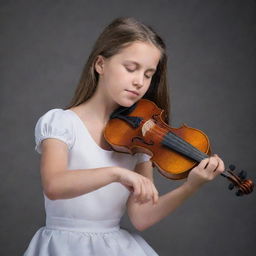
x=178, y=142
x=183, y=145
x=198, y=153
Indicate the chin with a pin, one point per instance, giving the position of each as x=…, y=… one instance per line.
x=126, y=102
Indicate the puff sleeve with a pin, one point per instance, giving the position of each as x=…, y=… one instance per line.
x=141, y=157
x=54, y=124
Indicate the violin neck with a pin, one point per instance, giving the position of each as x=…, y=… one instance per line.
x=174, y=142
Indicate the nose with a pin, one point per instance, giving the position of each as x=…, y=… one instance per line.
x=138, y=80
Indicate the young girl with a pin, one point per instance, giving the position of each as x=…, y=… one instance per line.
x=87, y=186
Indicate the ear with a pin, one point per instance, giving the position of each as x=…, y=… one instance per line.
x=99, y=64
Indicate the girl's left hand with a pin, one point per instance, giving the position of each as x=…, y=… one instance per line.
x=207, y=170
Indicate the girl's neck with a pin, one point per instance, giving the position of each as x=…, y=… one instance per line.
x=98, y=106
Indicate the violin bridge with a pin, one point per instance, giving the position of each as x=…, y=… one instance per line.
x=148, y=125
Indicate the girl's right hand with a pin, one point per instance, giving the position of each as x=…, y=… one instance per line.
x=143, y=188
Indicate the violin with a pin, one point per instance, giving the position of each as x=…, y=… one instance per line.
x=174, y=151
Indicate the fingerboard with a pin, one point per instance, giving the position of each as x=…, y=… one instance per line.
x=174, y=142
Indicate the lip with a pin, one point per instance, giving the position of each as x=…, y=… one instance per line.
x=134, y=92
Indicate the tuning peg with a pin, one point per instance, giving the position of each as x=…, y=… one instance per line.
x=232, y=167
x=239, y=192
x=231, y=186
x=242, y=174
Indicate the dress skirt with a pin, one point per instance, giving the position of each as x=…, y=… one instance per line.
x=74, y=237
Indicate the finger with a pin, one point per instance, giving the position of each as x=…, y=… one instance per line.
x=155, y=194
x=212, y=165
x=221, y=166
x=137, y=190
x=143, y=192
x=221, y=162
x=148, y=190
x=151, y=191
x=203, y=163
x=130, y=188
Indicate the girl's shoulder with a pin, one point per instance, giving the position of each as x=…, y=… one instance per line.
x=55, y=123
x=55, y=115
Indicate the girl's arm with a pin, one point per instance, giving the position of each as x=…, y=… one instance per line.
x=60, y=183
x=147, y=214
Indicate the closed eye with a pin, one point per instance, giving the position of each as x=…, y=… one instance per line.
x=132, y=70
x=148, y=76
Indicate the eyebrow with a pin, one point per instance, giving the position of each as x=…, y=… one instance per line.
x=137, y=64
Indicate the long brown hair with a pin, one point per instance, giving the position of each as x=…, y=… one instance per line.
x=114, y=37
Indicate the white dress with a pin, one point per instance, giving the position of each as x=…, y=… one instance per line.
x=87, y=225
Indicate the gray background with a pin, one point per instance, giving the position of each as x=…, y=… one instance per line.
x=211, y=48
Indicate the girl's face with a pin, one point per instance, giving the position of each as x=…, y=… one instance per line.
x=126, y=76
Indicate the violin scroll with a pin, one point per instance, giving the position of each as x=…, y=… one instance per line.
x=245, y=186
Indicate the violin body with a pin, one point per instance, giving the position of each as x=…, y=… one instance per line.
x=174, y=151
x=148, y=138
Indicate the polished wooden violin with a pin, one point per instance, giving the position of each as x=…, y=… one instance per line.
x=174, y=151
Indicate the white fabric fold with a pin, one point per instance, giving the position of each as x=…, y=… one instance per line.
x=89, y=238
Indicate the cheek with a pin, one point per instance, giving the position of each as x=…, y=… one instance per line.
x=115, y=82
x=146, y=87
x=121, y=74
x=119, y=78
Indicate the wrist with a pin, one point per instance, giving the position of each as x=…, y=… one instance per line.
x=114, y=173
x=190, y=189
